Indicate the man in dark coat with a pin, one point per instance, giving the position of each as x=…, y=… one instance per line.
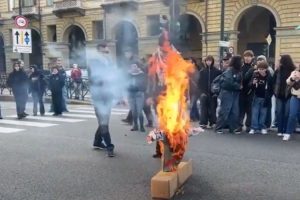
x=18, y=82
x=56, y=84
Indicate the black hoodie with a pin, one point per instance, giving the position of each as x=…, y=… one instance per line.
x=36, y=81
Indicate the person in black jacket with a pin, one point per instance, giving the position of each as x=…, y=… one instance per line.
x=136, y=89
x=37, y=87
x=262, y=86
x=231, y=85
x=208, y=101
x=18, y=81
x=56, y=84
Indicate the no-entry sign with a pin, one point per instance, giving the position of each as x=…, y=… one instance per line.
x=21, y=22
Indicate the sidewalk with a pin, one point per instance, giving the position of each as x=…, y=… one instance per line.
x=6, y=96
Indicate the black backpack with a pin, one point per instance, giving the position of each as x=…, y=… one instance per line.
x=216, y=84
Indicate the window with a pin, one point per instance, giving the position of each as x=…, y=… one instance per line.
x=29, y=3
x=51, y=33
x=49, y=2
x=98, y=30
x=153, y=25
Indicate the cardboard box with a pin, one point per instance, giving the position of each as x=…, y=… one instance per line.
x=164, y=185
x=184, y=171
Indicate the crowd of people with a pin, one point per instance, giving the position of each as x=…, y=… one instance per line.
x=34, y=82
x=239, y=95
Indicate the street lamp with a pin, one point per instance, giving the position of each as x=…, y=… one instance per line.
x=269, y=40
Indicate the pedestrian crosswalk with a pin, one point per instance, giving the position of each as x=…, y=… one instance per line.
x=76, y=114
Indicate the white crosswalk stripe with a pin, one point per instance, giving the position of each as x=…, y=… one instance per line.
x=55, y=119
x=76, y=114
x=10, y=130
x=26, y=123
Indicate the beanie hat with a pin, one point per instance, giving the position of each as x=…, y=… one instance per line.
x=262, y=57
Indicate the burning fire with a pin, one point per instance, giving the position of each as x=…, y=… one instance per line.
x=172, y=102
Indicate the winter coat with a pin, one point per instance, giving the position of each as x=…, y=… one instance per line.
x=37, y=82
x=18, y=82
x=76, y=75
x=56, y=83
x=268, y=87
x=246, y=77
x=206, y=77
x=281, y=89
x=231, y=80
x=137, y=82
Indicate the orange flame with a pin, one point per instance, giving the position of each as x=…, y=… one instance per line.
x=172, y=103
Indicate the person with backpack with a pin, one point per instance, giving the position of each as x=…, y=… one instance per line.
x=136, y=96
x=208, y=101
x=262, y=86
x=230, y=85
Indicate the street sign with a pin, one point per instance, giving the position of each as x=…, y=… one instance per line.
x=224, y=43
x=22, y=41
x=21, y=22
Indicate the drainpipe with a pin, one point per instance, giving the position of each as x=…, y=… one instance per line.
x=41, y=34
x=222, y=26
x=206, y=29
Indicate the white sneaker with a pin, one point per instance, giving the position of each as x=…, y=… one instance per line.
x=252, y=131
x=286, y=137
x=264, y=131
x=279, y=134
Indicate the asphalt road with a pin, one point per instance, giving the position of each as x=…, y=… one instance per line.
x=57, y=163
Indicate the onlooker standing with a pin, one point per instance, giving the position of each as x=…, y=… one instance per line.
x=76, y=78
x=136, y=96
x=262, y=85
x=231, y=85
x=268, y=121
x=37, y=88
x=18, y=81
x=194, y=92
x=208, y=101
x=282, y=92
x=56, y=84
x=294, y=82
x=63, y=75
x=246, y=94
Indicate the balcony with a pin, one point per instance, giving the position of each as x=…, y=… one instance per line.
x=108, y=4
x=30, y=12
x=68, y=7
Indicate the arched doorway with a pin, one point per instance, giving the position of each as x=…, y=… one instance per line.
x=256, y=27
x=2, y=56
x=126, y=36
x=76, y=39
x=36, y=57
x=189, y=41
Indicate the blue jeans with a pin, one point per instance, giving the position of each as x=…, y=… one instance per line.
x=282, y=114
x=194, y=112
x=136, y=102
x=259, y=113
x=229, y=110
x=293, y=114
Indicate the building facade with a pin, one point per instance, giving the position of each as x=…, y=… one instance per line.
x=69, y=28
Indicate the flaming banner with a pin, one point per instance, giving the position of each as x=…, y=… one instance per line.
x=173, y=120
